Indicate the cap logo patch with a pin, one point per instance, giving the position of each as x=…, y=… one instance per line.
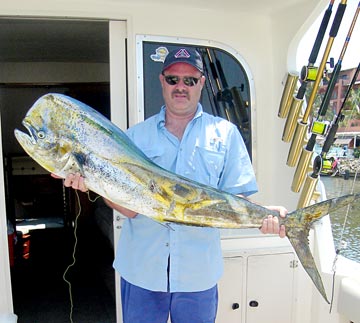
x=182, y=53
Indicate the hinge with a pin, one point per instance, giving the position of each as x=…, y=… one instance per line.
x=294, y=263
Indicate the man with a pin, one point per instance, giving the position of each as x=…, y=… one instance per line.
x=175, y=269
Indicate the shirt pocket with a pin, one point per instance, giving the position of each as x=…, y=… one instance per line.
x=210, y=164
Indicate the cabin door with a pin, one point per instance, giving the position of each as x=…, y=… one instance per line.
x=84, y=59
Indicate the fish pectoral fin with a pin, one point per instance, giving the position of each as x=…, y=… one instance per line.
x=73, y=165
x=299, y=240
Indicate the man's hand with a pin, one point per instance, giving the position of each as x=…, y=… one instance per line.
x=76, y=181
x=271, y=223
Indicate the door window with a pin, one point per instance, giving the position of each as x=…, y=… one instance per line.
x=226, y=92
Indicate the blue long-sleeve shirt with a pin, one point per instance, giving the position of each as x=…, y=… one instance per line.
x=211, y=152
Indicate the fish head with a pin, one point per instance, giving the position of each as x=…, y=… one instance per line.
x=48, y=140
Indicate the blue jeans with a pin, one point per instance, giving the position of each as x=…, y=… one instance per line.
x=144, y=306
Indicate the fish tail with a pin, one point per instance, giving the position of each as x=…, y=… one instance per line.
x=298, y=224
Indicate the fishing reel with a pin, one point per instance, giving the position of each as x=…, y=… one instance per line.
x=309, y=73
x=320, y=128
x=317, y=166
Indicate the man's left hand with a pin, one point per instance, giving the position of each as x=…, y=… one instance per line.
x=271, y=223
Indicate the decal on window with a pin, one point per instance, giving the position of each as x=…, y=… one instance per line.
x=160, y=54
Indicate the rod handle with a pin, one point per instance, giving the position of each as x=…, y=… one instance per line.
x=330, y=138
x=337, y=20
x=320, y=36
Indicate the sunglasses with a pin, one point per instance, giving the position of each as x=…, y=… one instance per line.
x=188, y=80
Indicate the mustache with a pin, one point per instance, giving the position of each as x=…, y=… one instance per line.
x=182, y=92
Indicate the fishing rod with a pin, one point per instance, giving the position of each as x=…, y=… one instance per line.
x=319, y=127
x=215, y=108
x=312, y=179
x=224, y=95
x=209, y=90
x=330, y=138
x=229, y=102
x=301, y=127
x=288, y=100
x=221, y=111
x=233, y=103
x=232, y=97
x=214, y=104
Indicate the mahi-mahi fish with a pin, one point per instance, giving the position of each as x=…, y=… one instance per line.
x=67, y=136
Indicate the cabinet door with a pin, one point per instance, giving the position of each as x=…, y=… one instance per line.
x=269, y=293
x=230, y=291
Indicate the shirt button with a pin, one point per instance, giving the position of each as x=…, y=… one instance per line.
x=167, y=244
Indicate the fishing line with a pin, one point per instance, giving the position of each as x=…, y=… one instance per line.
x=74, y=250
x=357, y=168
x=347, y=209
x=92, y=199
x=341, y=244
x=73, y=257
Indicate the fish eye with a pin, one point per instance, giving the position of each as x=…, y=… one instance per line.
x=41, y=134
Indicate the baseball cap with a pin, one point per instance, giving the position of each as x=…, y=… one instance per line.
x=184, y=55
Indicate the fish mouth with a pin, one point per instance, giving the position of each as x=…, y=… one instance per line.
x=29, y=142
x=31, y=131
x=30, y=137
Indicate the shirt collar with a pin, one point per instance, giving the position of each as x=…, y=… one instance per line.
x=161, y=115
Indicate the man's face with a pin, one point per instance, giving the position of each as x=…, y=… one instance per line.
x=182, y=99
